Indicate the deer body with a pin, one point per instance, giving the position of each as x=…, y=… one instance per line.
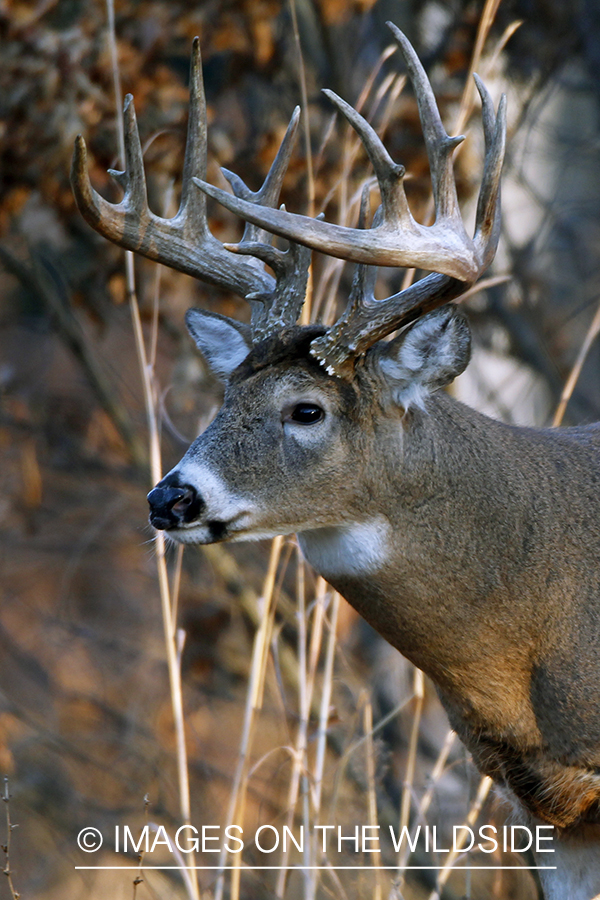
x=471, y=546
x=489, y=587
x=450, y=533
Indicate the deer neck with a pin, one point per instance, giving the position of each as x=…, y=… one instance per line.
x=422, y=479
x=418, y=564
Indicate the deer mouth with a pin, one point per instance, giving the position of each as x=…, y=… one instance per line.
x=216, y=531
x=211, y=532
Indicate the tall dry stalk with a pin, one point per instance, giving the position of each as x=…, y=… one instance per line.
x=407, y=785
x=174, y=637
x=371, y=793
x=254, y=696
x=472, y=816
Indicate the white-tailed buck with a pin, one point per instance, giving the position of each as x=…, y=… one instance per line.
x=471, y=546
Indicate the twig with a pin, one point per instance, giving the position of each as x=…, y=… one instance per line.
x=254, y=695
x=306, y=121
x=138, y=878
x=407, y=787
x=325, y=694
x=485, y=23
x=305, y=314
x=436, y=774
x=482, y=792
x=592, y=334
x=6, y=847
x=425, y=802
x=247, y=599
x=372, y=798
x=326, y=690
x=299, y=759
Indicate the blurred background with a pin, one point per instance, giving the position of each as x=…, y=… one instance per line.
x=86, y=723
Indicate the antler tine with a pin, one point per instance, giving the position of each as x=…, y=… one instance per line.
x=389, y=174
x=192, y=209
x=280, y=306
x=363, y=283
x=487, y=222
x=438, y=143
x=268, y=193
x=108, y=218
x=183, y=242
x=133, y=179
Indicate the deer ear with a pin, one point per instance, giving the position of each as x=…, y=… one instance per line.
x=425, y=357
x=223, y=342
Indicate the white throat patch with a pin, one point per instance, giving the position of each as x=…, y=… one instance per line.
x=360, y=548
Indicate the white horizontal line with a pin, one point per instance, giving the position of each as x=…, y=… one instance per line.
x=301, y=868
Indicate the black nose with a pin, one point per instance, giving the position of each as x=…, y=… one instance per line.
x=172, y=505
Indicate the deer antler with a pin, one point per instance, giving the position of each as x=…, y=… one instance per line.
x=366, y=320
x=185, y=242
x=395, y=239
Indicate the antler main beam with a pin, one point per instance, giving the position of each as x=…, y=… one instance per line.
x=397, y=240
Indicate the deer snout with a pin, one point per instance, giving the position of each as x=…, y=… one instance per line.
x=173, y=505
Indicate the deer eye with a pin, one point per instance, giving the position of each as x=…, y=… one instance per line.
x=306, y=414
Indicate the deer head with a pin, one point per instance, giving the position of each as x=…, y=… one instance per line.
x=297, y=389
